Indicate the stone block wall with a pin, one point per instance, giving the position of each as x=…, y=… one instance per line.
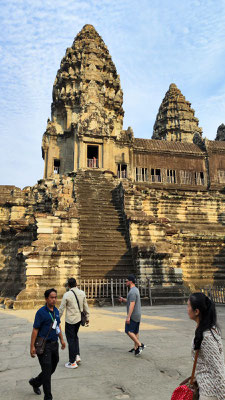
x=177, y=235
x=39, y=240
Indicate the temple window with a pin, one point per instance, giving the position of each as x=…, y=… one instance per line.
x=122, y=171
x=199, y=178
x=141, y=174
x=171, y=176
x=92, y=157
x=56, y=166
x=156, y=175
x=221, y=175
x=186, y=177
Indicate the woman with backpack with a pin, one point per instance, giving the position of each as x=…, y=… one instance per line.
x=210, y=369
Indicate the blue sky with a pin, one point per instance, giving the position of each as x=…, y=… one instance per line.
x=152, y=43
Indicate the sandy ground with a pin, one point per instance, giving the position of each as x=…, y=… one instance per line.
x=108, y=371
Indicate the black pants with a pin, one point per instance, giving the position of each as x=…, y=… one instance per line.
x=71, y=331
x=48, y=362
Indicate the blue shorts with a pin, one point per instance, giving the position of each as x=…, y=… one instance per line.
x=132, y=327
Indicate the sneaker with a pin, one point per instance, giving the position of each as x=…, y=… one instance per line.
x=78, y=359
x=138, y=351
x=71, y=365
x=143, y=346
x=131, y=350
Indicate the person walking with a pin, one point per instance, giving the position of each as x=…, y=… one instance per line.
x=74, y=301
x=47, y=324
x=210, y=369
x=133, y=315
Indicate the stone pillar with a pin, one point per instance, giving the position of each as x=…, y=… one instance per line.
x=46, y=163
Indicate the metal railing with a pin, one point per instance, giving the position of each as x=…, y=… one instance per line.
x=216, y=294
x=112, y=288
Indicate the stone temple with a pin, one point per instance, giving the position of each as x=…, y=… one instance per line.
x=110, y=203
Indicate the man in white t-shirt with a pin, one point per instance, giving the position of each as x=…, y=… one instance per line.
x=73, y=319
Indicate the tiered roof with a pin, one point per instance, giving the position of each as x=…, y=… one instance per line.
x=88, y=83
x=176, y=119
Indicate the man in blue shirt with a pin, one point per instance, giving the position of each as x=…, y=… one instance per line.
x=47, y=323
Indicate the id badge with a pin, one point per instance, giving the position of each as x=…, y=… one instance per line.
x=57, y=330
x=54, y=324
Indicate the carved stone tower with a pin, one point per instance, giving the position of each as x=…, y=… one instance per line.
x=86, y=109
x=176, y=119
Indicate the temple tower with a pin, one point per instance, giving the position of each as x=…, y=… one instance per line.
x=86, y=109
x=220, y=136
x=176, y=119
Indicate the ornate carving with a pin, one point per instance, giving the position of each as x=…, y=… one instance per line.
x=175, y=120
x=221, y=133
x=197, y=139
x=87, y=83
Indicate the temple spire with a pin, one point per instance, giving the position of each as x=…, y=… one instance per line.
x=176, y=119
x=87, y=91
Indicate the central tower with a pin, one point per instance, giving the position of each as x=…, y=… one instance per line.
x=87, y=107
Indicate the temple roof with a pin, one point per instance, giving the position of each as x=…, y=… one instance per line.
x=88, y=83
x=216, y=145
x=164, y=146
x=175, y=119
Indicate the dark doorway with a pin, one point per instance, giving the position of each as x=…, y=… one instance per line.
x=122, y=171
x=92, y=157
x=56, y=166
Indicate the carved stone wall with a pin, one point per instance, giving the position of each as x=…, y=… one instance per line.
x=177, y=234
x=39, y=239
x=87, y=101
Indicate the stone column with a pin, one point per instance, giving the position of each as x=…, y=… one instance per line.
x=46, y=163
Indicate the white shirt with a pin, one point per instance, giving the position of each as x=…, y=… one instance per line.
x=73, y=315
x=210, y=369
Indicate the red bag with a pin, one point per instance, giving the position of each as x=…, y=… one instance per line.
x=182, y=392
x=186, y=392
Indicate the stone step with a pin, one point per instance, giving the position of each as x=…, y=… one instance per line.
x=108, y=274
x=104, y=247
x=101, y=268
x=97, y=215
x=94, y=256
x=101, y=224
x=102, y=238
x=99, y=264
x=100, y=211
x=105, y=227
x=98, y=218
x=99, y=205
x=99, y=252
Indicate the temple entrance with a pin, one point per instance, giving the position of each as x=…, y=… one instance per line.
x=122, y=171
x=56, y=166
x=92, y=157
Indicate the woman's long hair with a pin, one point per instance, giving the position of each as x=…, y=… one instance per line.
x=207, y=316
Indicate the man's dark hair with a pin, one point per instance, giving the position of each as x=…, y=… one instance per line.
x=72, y=282
x=131, y=278
x=48, y=291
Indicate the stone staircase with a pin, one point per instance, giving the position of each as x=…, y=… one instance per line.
x=105, y=250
